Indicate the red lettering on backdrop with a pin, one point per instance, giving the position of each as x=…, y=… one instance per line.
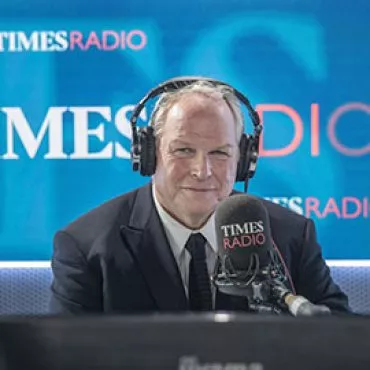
x=139, y=35
x=110, y=40
x=366, y=207
x=298, y=129
x=92, y=40
x=123, y=40
x=312, y=205
x=346, y=201
x=333, y=122
x=105, y=40
x=331, y=207
x=75, y=38
x=315, y=130
x=350, y=207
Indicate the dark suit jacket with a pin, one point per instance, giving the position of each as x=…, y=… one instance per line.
x=116, y=258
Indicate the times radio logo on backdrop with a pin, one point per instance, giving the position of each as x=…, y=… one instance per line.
x=62, y=40
x=46, y=138
x=347, y=207
x=19, y=127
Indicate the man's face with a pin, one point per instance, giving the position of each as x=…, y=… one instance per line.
x=197, y=157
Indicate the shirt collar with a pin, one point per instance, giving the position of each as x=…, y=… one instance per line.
x=178, y=234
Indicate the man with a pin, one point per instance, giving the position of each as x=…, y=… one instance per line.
x=132, y=254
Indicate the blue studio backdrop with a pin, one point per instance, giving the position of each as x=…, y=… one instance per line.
x=72, y=71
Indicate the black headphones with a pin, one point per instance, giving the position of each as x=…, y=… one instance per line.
x=143, y=150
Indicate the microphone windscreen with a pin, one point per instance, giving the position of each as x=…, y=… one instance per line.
x=243, y=229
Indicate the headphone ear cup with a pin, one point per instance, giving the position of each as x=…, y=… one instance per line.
x=245, y=147
x=147, y=151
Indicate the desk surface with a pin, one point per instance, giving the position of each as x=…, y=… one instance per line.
x=186, y=342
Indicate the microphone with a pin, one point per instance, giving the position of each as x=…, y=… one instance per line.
x=299, y=305
x=248, y=264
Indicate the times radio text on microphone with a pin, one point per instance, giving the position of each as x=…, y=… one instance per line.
x=248, y=234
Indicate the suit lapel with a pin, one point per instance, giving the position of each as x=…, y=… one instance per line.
x=146, y=239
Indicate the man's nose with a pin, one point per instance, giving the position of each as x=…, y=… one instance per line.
x=201, y=166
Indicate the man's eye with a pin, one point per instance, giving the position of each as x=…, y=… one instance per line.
x=220, y=153
x=184, y=150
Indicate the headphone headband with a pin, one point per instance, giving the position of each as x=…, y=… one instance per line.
x=177, y=83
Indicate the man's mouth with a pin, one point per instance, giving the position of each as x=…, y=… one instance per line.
x=200, y=190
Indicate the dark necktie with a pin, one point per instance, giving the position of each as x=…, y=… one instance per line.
x=200, y=296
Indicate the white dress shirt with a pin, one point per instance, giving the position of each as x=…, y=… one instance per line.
x=178, y=234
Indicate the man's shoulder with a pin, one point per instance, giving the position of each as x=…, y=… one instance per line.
x=103, y=217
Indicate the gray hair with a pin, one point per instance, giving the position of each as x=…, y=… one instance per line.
x=205, y=88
